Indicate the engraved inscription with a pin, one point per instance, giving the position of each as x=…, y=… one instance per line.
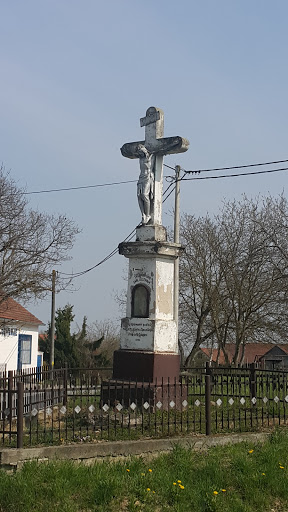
x=139, y=330
x=142, y=279
x=140, y=276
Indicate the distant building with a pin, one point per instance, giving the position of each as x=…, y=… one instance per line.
x=18, y=337
x=276, y=358
x=266, y=355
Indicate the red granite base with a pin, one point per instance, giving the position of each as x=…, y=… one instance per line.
x=143, y=366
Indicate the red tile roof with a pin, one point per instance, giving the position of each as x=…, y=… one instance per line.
x=11, y=310
x=253, y=351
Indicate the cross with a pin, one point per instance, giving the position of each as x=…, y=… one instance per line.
x=159, y=146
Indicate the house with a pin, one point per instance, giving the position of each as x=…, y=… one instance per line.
x=265, y=355
x=276, y=358
x=18, y=337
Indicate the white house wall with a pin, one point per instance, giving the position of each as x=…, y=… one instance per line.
x=9, y=347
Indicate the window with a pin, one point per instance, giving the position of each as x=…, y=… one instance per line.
x=24, y=349
x=140, y=301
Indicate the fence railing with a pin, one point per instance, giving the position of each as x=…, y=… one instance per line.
x=44, y=407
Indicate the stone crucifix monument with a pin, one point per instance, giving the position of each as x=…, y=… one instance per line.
x=149, y=339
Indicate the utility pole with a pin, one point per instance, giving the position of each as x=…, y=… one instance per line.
x=52, y=321
x=176, y=241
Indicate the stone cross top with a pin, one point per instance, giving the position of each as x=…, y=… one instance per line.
x=158, y=146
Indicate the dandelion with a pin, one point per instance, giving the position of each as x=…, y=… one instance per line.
x=215, y=492
x=223, y=490
x=153, y=492
x=179, y=482
x=251, y=451
x=148, y=489
x=281, y=467
x=150, y=470
x=174, y=483
x=181, y=486
x=263, y=474
x=128, y=470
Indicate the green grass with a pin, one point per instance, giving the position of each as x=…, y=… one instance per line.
x=130, y=486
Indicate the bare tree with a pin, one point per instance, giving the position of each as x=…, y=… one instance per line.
x=108, y=333
x=254, y=292
x=275, y=233
x=233, y=286
x=199, y=279
x=31, y=244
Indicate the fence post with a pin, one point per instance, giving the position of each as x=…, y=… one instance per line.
x=10, y=394
x=20, y=413
x=65, y=376
x=208, y=399
x=253, y=380
x=208, y=369
x=3, y=400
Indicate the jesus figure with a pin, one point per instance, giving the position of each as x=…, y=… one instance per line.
x=145, y=184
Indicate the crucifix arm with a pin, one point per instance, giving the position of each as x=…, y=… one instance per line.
x=130, y=150
x=165, y=146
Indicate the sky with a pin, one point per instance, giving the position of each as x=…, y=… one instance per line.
x=76, y=77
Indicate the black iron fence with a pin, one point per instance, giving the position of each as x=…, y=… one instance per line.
x=44, y=407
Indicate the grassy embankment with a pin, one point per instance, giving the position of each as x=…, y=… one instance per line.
x=235, y=478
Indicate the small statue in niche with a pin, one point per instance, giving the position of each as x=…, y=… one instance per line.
x=145, y=184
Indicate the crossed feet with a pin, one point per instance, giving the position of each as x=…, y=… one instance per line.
x=145, y=219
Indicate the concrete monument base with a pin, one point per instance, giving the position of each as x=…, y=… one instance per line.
x=151, y=233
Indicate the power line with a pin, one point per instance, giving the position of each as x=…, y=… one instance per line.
x=78, y=274
x=112, y=253
x=233, y=167
x=128, y=238
x=172, y=183
x=83, y=187
x=169, y=167
x=79, y=188
x=234, y=175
